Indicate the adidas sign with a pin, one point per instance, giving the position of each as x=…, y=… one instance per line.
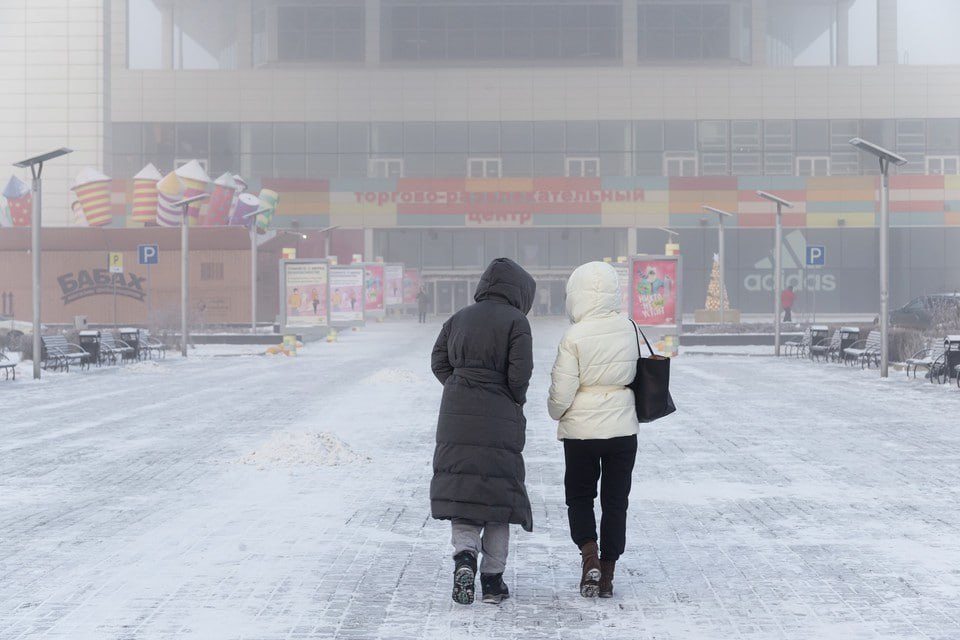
x=794, y=273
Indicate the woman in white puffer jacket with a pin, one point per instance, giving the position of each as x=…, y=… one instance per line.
x=596, y=360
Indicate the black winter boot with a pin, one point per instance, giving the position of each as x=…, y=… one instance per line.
x=464, y=573
x=494, y=588
x=607, y=569
x=590, y=564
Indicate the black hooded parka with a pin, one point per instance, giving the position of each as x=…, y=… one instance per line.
x=484, y=358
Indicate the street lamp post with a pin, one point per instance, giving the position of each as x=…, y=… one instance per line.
x=886, y=158
x=185, y=265
x=36, y=168
x=777, y=264
x=252, y=217
x=723, y=281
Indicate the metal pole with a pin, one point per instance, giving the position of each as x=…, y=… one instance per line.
x=884, y=266
x=253, y=277
x=35, y=252
x=778, y=239
x=723, y=281
x=184, y=273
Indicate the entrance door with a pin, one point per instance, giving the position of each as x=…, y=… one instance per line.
x=461, y=294
x=444, y=297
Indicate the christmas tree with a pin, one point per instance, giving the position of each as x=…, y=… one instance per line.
x=713, y=290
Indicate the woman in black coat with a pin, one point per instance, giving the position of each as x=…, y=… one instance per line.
x=484, y=358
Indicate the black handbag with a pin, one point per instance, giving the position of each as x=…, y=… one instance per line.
x=651, y=386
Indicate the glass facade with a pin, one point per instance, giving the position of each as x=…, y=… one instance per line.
x=531, y=149
x=182, y=34
x=572, y=33
x=701, y=32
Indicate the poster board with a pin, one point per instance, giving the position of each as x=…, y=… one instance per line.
x=346, y=295
x=373, y=280
x=655, y=297
x=393, y=285
x=304, y=300
x=411, y=287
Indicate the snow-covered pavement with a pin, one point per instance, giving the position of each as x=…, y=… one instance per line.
x=192, y=499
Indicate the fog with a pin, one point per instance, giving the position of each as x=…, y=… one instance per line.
x=441, y=135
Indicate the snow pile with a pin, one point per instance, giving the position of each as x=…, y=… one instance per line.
x=316, y=449
x=393, y=376
x=144, y=366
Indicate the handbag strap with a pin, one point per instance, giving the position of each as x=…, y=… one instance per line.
x=640, y=331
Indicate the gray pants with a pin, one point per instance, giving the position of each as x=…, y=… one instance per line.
x=494, y=543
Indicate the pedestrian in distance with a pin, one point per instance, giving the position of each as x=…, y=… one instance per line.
x=484, y=358
x=589, y=396
x=423, y=299
x=787, y=298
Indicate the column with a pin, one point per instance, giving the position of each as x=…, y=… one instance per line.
x=631, y=241
x=244, y=13
x=887, y=32
x=368, y=245
x=758, y=33
x=372, y=35
x=843, y=33
x=629, y=32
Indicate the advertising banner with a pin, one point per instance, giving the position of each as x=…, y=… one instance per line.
x=346, y=295
x=393, y=287
x=411, y=286
x=373, y=289
x=653, y=291
x=305, y=293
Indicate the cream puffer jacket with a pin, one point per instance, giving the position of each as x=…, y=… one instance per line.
x=596, y=360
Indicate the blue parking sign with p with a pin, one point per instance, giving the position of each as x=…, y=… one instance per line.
x=148, y=253
x=816, y=255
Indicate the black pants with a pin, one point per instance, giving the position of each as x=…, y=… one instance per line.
x=423, y=317
x=611, y=462
x=786, y=315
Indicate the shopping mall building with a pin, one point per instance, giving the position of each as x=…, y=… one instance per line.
x=442, y=134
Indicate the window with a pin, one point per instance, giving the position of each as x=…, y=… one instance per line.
x=576, y=33
x=679, y=165
x=211, y=271
x=911, y=144
x=319, y=34
x=813, y=165
x=583, y=167
x=943, y=165
x=694, y=31
x=386, y=168
x=484, y=168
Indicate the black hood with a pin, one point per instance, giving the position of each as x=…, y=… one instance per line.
x=508, y=281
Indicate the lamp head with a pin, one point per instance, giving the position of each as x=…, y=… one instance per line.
x=773, y=198
x=719, y=212
x=23, y=164
x=878, y=151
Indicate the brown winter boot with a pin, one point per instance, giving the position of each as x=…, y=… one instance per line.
x=607, y=568
x=590, y=578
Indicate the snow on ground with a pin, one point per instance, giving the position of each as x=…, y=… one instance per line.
x=784, y=499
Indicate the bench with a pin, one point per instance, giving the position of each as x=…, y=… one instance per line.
x=115, y=351
x=930, y=357
x=150, y=346
x=865, y=352
x=8, y=366
x=798, y=348
x=826, y=349
x=60, y=354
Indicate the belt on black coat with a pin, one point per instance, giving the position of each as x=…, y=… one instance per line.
x=475, y=374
